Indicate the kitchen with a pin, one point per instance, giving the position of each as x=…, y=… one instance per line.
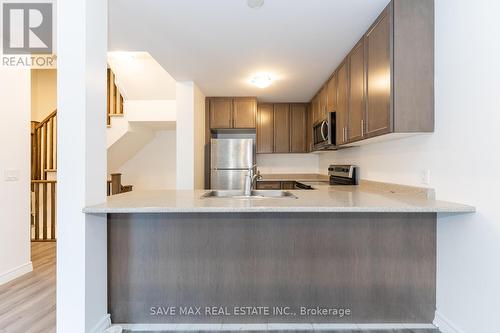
x=324, y=248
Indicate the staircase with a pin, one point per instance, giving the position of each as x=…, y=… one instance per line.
x=133, y=123
x=43, y=178
x=44, y=162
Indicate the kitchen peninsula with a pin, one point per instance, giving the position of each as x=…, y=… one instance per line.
x=344, y=254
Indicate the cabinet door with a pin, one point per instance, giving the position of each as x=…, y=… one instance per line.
x=298, y=128
x=281, y=128
x=221, y=110
x=331, y=94
x=267, y=185
x=309, y=124
x=288, y=185
x=323, y=99
x=244, y=112
x=265, y=128
x=342, y=83
x=356, y=104
x=315, y=109
x=378, y=72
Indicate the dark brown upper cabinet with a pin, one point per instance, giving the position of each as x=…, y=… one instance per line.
x=315, y=105
x=331, y=94
x=244, y=112
x=386, y=84
x=378, y=75
x=265, y=128
x=281, y=128
x=356, y=102
x=309, y=140
x=221, y=113
x=229, y=112
x=341, y=111
x=284, y=128
x=323, y=101
x=298, y=125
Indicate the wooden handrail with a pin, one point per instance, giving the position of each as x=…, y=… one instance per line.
x=114, y=186
x=44, y=146
x=114, y=98
x=43, y=210
x=46, y=120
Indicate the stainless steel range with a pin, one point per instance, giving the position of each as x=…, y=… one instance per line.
x=343, y=174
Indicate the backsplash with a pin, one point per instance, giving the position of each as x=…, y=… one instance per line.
x=288, y=163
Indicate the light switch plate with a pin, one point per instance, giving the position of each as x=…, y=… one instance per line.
x=11, y=175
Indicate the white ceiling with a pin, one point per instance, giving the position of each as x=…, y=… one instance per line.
x=219, y=44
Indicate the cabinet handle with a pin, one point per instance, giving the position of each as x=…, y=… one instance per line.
x=362, y=127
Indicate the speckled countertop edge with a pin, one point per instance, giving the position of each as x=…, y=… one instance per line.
x=368, y=197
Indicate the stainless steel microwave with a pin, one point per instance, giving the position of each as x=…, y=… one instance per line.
x=324, y=133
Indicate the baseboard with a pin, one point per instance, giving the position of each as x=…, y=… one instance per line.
x=272, y=327
x=444, y=324
x=102, y=325
x=15, y=273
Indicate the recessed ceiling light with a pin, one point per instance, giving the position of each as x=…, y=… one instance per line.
x=255, y=3
x=262, y=80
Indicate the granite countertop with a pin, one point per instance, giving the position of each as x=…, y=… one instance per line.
x=368, y=197
x=299, y=177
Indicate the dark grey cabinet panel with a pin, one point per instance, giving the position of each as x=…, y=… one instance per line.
x=381, y=266
x=356, y=104
x=342, y=83
x=378, y=76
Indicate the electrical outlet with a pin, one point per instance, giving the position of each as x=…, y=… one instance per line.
x=11, y=175
x=425, y=177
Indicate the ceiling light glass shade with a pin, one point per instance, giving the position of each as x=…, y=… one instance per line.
x=261, y=80
x=255, y=3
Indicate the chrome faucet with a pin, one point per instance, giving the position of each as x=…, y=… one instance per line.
x=250, y=179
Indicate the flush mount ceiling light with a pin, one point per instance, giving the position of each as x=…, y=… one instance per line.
x=261, y=80
x=255, y=3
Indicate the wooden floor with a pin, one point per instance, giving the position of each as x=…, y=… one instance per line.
x=28, y=304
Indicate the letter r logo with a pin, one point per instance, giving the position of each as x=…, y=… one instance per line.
x=27, y=28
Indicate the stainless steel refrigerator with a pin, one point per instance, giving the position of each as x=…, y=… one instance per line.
x=230, y=162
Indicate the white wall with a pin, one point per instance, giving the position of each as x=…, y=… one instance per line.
x=43, y=93
x=188, y=142
x=287, y=163
x=81, y=238
x=463, y=156
x=15, y=117
x=199, y=139
x=153, y=167
x=140, y=77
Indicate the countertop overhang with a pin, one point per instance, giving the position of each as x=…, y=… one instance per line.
x=369, y=197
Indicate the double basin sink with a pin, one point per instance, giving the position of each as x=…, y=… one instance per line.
x=254, y=194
